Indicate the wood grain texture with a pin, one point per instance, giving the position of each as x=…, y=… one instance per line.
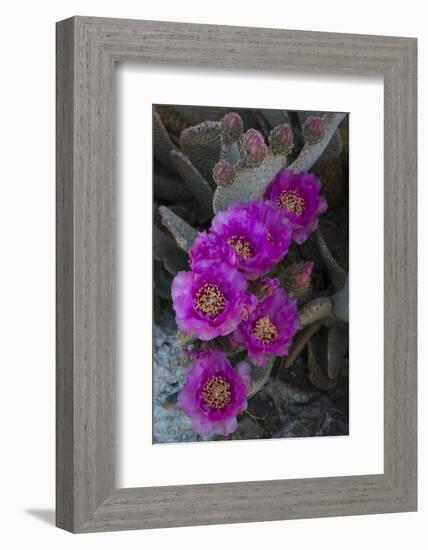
x=64, y=278
x=87, y=49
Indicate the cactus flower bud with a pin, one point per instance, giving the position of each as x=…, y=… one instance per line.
x=264, y=287
x=231, y=126
x=313, y=129
x=254, y=147
x=223, y=173
x=298, y=281
x=302, y=275
x=281, y=139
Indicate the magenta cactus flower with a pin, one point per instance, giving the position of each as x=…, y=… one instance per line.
x=206, y=247
x=215, y=393
x=210, y=300
x=298, y=197
x=256, y=232
x=279, y=229
x=269, y=328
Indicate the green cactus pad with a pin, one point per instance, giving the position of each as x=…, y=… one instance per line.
x=163, y=280
x=317, y=368
x=165, y=250
x=334, y=148
x=274, y=117
x=312, y=152
x=337, y=349
x=299, y=343
x=188, y=214
x=177, y=118
x=172, y=118
x=231, y=152
x=195, y=182
x=341, y=303
x=338, y=275
x=196, y=115
x=183, y=233
x=202, y=144
x=260, y=376
x=315, y=310
x=249, y=183
x=169, y=188
x=162, y=142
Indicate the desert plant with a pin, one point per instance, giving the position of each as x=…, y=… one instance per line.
x=208, y=166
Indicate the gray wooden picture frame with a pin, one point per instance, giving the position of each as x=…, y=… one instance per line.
x=87, y=50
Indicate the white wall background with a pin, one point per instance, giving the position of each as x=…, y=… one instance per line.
x=27, y=272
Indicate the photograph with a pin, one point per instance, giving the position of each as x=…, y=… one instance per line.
x=250, y=273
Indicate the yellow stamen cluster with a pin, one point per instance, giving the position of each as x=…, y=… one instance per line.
x=216, y=392
x=242, y=246
x=210, y=300
x=265, y=330
x=292, y=201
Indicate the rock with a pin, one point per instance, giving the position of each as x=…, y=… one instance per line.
x=319, y=418
x=285, y=394
x=248, y=429
x=170, y=365
x=288, y=406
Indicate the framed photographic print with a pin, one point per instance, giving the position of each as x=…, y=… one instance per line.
x=239, y=272
x=236, y=274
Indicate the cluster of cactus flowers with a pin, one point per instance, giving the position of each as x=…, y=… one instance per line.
x=227, y=293
x=229, y=300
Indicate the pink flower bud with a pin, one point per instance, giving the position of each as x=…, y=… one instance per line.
x=313, y=129
x=298, y=280
x=223, y=173
x=303, y=275
x=281, y=139
x=263, y=288
x=231, y=126
x=254, y=147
